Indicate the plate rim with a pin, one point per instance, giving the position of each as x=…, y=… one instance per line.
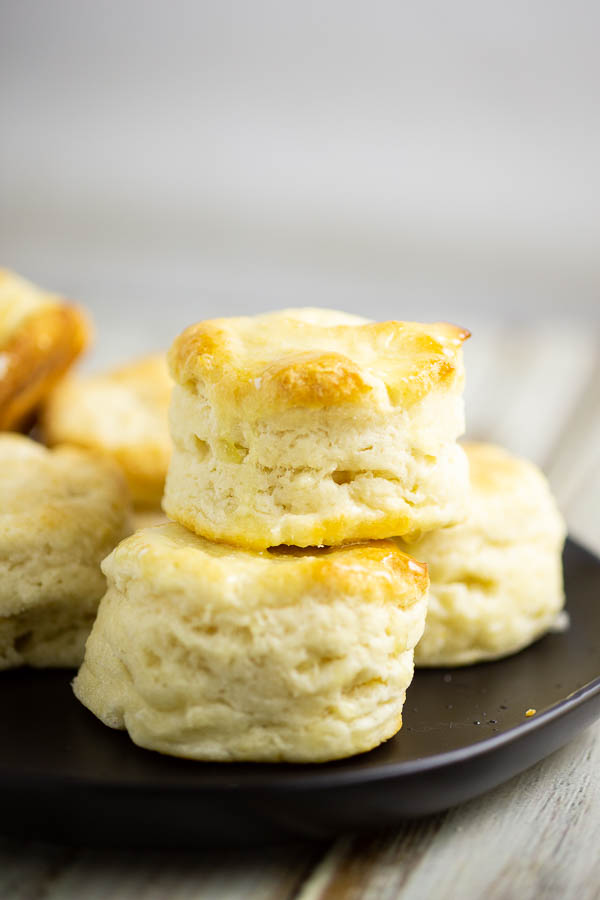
x=318, y=778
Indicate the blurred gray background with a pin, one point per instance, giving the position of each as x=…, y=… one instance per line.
x=416, y=160
x=164, y=162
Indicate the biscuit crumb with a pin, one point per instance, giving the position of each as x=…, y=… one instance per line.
x=531, y=712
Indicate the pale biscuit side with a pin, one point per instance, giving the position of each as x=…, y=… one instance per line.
x=61, y=512
x=213, y=653
x=496, y=580
x=322, y=477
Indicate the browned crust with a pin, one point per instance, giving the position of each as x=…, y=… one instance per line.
x=354, y=564
x=314, y=379
x=356, y=567
x=199, y=350
x=215, y=352
x=335, y=531
x=35, y=358
x=379, y=552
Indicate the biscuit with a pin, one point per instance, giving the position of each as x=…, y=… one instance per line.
x=312, y=427
x=61, y=512
x=211, y=652
x=122, y=414
x=40, y=337
x=496, y=580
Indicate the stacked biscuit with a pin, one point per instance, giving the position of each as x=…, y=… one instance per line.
x=315, y=461
x=276, y=618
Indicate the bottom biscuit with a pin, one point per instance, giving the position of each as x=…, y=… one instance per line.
x=209, y=652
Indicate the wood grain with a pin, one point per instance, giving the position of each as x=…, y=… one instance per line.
x=537, y=836
x=35, y=871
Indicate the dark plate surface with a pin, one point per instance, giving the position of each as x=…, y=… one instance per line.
x=64, y=776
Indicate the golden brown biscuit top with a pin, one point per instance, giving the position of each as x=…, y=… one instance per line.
x=18, y=300
x=169, y=557
x=315, y=358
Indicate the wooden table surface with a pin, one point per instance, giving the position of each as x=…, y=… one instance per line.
x=537, y=392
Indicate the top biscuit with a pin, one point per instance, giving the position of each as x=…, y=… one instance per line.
x=315, y=427
x=316, y=358
x=40, y=337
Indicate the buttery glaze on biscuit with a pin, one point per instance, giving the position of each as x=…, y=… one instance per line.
x=264, y=359
x=313, y=427
x=40, y=337
x=496, y=579
x=211, y=652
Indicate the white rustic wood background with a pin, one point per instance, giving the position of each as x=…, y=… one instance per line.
x=537, y=391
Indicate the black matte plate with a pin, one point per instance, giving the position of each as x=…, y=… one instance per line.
x=64, y=776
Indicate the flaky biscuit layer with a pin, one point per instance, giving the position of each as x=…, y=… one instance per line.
x=61, y=512
x=210, y=652
x=274, y=444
